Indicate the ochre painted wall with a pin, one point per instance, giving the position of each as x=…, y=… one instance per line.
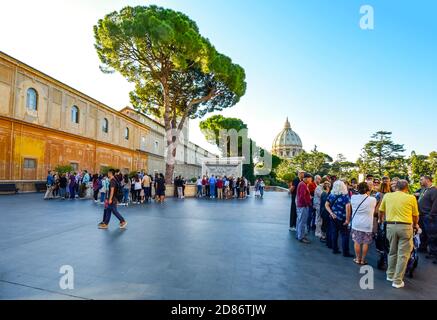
x=50, y=148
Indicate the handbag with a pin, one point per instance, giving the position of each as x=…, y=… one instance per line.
x=356, y=210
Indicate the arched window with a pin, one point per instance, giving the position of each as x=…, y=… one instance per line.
x=74, y=114
x=32, y=99
x=105, y=125
x=126, y=133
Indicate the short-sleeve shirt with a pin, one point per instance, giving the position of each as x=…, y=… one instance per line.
x=363, y=208
x=113, y=184
x=339, y=206
x=399, y=207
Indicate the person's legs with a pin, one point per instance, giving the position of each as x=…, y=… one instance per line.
x=72, y=193
x=405, y=247
x=424, y=236
x=293, y=212
x=329, y=229
x=318, y=223
x=106, y=215
x=148, y=193
x=113, y=209
x=299, y=223
x=430, y=224
x=357, y=248
x=344, y=231
x=126, y=196
x=334, y=235
x=365, y=250
x=393, y=253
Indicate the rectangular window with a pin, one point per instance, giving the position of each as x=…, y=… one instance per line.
x=29, y=164
x=75, y=166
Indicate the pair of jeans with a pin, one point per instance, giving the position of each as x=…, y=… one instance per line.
x=261, y=191
x=102, y=196
x=212, y=190
x=72, y=192
x=147, y=193
x=62, y=192
x=180, y=193
x=111, y=209
x=400, y=237
x=430, y=227
x=96, y=194
x=125, y=195
x=310, y=218
x=338, y=227
x=199, y=190
x=301, y=222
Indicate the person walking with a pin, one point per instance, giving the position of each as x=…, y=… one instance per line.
x=262, y=185
x=303, y=204
x=400, y=210
x=111, y=207
x=363, y=208
x=339, y=208
x=293, y=192
x=428, y=215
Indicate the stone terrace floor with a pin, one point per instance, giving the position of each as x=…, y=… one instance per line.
x=189, y=249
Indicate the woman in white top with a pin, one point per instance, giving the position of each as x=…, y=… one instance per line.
x=137, y=188
x=363, y=208
x=199, y=187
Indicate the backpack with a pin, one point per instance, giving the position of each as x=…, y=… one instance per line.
x=119, y=195
x=99, y=184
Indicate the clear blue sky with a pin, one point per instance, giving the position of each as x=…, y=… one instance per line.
x=307, y=60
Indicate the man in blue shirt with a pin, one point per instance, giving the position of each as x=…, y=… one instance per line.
x=50, y=179
x=212, y=182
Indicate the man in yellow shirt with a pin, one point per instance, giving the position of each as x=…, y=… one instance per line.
x=400, y=210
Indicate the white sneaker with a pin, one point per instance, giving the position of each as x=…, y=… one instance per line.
x=398, y=286
x=292, y=229
x=389, y=279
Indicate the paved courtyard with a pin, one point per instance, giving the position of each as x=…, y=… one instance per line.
x=192, y=249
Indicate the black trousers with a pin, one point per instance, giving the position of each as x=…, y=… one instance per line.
x=430, y=227
x=293, y=212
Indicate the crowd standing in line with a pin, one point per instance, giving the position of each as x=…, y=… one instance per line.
x=377, y=208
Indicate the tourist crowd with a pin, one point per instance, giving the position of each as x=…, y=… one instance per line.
x=333, y=208
x=137, y=189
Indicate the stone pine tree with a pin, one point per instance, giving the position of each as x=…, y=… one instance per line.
x=214, y=126
x=177, y=73
x=380, y=154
